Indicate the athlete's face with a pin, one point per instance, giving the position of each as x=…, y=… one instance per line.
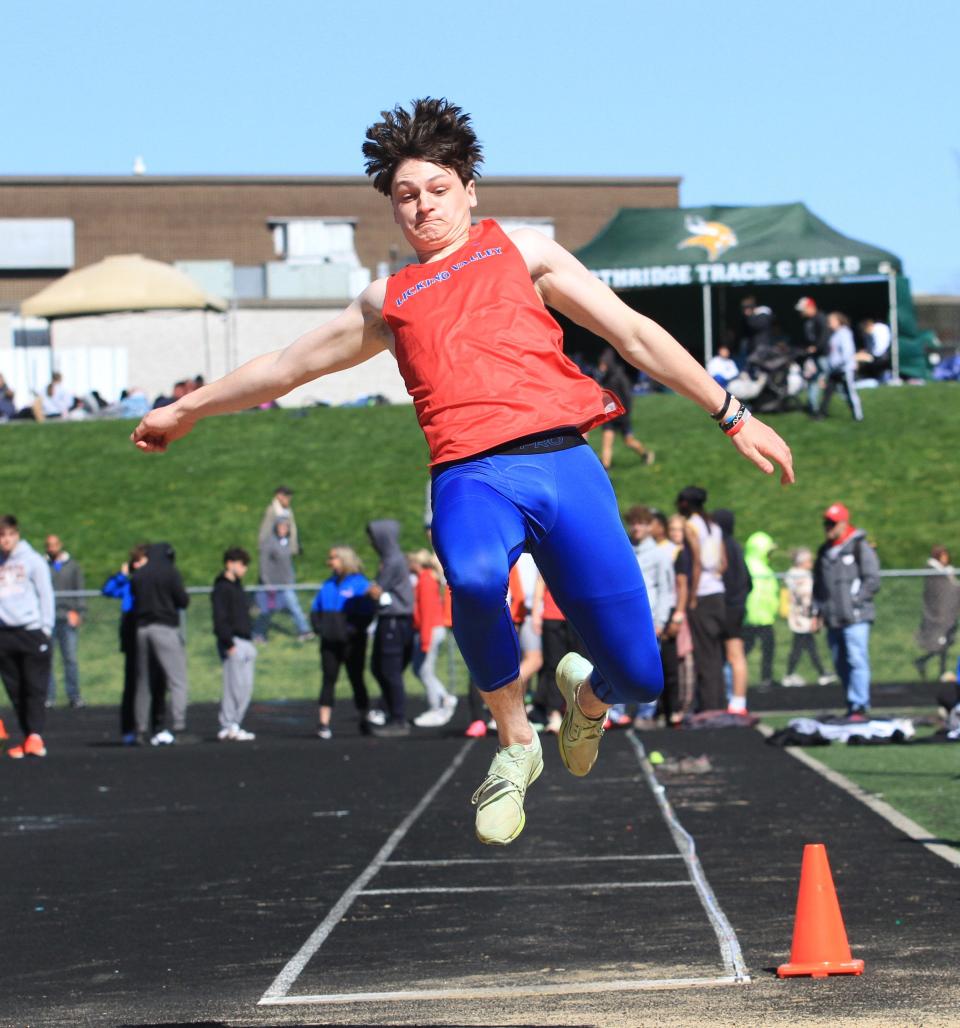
x=431, y=205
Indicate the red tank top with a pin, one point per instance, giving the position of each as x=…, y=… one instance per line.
x=480, y=354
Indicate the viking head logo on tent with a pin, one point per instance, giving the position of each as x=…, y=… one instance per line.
x=715, y=237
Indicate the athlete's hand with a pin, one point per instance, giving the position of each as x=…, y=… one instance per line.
x=161, y=427
x=759, y=443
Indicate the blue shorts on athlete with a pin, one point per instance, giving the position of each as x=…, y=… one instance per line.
x=561, y=506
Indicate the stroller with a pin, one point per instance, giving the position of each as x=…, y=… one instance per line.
x=771, y=381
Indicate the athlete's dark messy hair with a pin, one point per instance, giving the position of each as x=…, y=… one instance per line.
x=434, y=130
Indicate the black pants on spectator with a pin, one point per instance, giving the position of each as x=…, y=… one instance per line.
x=25, y=657
x=352, y=654
x=804, y=643
x=671, y=701
x=707, y=625
x=558, y=638
x=392, y=651
x=158, y=683
x=764, y=635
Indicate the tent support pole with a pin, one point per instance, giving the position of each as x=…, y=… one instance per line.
x=707, y=326
x=894, y=327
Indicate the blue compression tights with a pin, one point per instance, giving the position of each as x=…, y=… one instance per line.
x=563, y=507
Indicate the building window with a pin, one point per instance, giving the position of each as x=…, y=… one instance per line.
x=31, y=332
x=315, y=240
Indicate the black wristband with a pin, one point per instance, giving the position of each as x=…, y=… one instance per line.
x=723, y=410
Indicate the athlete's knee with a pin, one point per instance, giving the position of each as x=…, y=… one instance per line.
x=477, y=586
x=637, y=680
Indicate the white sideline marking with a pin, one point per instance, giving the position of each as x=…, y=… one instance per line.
x=877, y=805
x=504, y=992
x=283, y=982
x=568, y=887
x=726, y=936
x=526, y=860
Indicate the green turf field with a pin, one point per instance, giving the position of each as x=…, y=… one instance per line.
x=920, y=778
x=897, y=471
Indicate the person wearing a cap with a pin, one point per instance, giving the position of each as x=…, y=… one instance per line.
x=816, y=336
x=504, y=412
x=846, y=577
x=280, y=507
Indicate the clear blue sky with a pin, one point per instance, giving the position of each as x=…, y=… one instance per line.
x=850, y=106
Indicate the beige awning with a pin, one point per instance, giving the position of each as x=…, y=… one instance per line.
x=127, y=282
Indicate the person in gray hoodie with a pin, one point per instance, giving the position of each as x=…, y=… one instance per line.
x=846, y=577
x=26, y=625
x=393, y=638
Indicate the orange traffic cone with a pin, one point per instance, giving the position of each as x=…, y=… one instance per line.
x=820, y=945
x=4, y=734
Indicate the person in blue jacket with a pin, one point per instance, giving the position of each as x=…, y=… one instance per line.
x=340, y=614
x=117, y=587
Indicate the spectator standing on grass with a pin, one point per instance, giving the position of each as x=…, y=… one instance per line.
x=736, y=589
x=707, y=609
x=26, y=627
x=841, y=366
x=763, y=603
x=800, y=619
x=846, y=577
x=277, y=578
x=280, y=508
x=159, y=599
x=756, y=329
x=392, y=591
x=67, y=577
x=118, y=587
x=941, y=606
x=429, y=634
x=816, y=338
x=612, y=375
x=341, y=614
x=238, y=655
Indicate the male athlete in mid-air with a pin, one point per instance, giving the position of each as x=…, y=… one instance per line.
x=504, y=412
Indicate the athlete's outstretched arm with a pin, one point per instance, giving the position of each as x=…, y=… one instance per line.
x=351, y=338
x=565, y=284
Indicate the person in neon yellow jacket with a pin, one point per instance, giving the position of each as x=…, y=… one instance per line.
x=763, y=603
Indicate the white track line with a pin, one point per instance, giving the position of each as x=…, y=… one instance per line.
x=568, y=887
x=729, y=946
x=284, y=981
x=503, y=992
x=877, y=805
x=526, y=860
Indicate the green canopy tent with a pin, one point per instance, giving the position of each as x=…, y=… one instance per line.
x=724, y=253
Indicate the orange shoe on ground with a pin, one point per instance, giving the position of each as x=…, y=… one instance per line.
x=32, y=747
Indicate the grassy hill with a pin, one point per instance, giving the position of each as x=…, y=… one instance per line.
x=898, y=472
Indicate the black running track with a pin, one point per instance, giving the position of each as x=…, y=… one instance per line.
x=288, y=882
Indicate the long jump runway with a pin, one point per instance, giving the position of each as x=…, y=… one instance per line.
x=295, y=882
x=436, y=916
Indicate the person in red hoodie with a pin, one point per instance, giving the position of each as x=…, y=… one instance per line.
x=428, y=618
x=503, y=411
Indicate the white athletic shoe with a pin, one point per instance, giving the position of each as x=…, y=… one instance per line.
x=432, y=718
x=163, y=738
x=794, y=680
x=580, y=736
x=235, y=734
x=827, y=680
x=376, y=717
